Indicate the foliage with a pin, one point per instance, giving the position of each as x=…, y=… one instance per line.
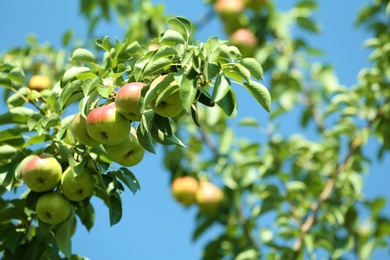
x=311, y=188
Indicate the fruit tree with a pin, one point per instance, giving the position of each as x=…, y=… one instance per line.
x=81, y=117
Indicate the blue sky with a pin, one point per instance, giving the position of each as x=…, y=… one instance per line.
x=153, y=225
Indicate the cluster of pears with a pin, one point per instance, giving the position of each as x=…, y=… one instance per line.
x=110, y=124
x=44, y=174
x=187, y=190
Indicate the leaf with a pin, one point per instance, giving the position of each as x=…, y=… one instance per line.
x=171, y=36
x=143, y=133
x=182, y=24
x=163, y=51
x=115, y=209
x=71, y=74
x=16, y=115
x=82, y=55
x=221, y=88
x=155, y=67
x=204, y=98
x=162, y=132
x=226, y=141
x=202, y=227
x=253, y=66
x=229, y=104
x=295, y=186
x=17, y=74
x=63, y=236
x=129, y=179
x=69, y=92
x=7, y=151
x=86, y=215
x=307, y=4
x=249, y=254
x=133, y=48
x=104, y=43
x=188, y=88
x=19, y=98
x=308, y=24
x=260, y=93
x=211, y=70
x=37, y=139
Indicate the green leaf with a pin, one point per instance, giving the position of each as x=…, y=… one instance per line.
x=162, y=132
x=182, y=24
x=308, y=24
x=17, y=74
x=104, y=43
x=307, y=4
x=221, y=88
x=188, y=88
x=129, y=179
x=63, y=237
x=253, y=66
x=152, y=94
x=226, y=141
x=211, y=70
x=163, y=51
x=156, y=66
x=201, y=227
x=86, y=215
x=249, y=254
x=143, y=131
x=82, y=55
x=67, y=37
x=19, y=98
x=16, y=115
x=295, y=186
x=7, y=151
x=68, y=93
x=71, y=74
x=229, y=104
x=5, y=82
x=37, y=139
x=172, y=37
x=115, y=209
x=260, y=93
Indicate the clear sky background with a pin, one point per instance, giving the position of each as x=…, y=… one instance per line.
x=154, y=226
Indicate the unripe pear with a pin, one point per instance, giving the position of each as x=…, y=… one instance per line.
x=127, y=98
x=53, y=208
x=127, y=153
x=209, y=198
x=80, y=133
x=184, y=190
x=77, y=187
x=169, y=106
x=106, y=125
x=42, y=173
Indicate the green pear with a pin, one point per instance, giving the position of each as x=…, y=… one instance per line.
x=127, y=153
x=79, y=131
x=77, y=187
x=42, y=173
x=107, y=126
x=52, y=208
x=184, y=190
x=170, y=105
x=127, y=98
